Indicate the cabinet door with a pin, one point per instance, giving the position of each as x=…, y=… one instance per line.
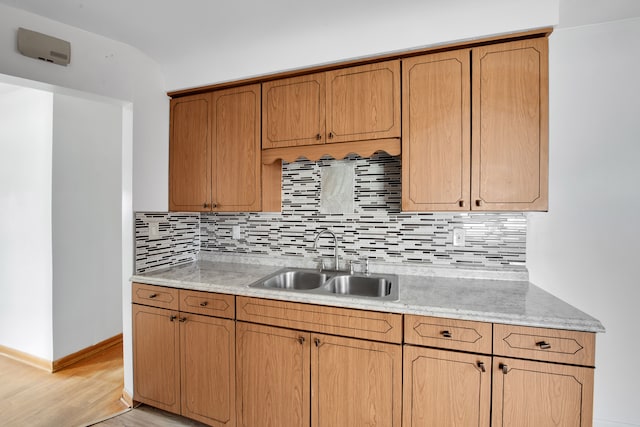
x=156, y=357
x=532, y=394
x=189, y=154
x=364, y=102
x=236, y=149
x=446, y=388
x=207, y=346
x=273, y=373
x=510, y=126
x=293, y=111
x=436, y=142
x=355, y=383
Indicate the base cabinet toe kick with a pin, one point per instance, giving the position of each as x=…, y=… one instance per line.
x=229, y=360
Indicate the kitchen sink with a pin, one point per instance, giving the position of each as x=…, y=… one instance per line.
x=296, y=279
x=366, y=286
x=336, y=283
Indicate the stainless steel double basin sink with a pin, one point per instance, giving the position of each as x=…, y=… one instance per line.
x=377, y=286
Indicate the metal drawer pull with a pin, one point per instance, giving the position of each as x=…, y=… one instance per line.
x=301, y=340
x=317, y=342
x=446, y=334
x=505, y=368
x=182, y=319
x=543, y=345
x=331, y=135
x=318, y=137
x=461, y=203
x=481, y=366
x=153, y=295
x=173, y=318
x=203, y=304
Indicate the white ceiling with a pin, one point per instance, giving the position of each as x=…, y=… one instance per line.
x=171, y=31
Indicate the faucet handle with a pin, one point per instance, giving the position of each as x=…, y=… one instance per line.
x=322, y=267
x=366, y=266
x=351, y=262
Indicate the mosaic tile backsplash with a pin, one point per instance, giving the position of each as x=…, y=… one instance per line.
x=377, y=229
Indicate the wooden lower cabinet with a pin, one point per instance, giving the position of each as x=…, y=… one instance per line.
x=185, y=363
x=156, y=357
x=446, y=388
x=532, y=394
x=207, y=348
x=355, y=382
x=288, y=378
x=272, y=376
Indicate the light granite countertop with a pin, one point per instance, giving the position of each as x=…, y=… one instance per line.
x=516, y=302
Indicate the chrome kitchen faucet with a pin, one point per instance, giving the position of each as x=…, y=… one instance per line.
x=335, y=245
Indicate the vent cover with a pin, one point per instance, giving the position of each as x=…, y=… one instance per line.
x=44, y=47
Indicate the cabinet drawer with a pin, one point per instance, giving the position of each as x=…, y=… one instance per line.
x=552, y=345
x=448, y=333
x=155, y=296
x=207, y=303
x=371, y=325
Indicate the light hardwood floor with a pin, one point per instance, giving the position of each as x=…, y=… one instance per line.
x=87, y=391
x=84, y=394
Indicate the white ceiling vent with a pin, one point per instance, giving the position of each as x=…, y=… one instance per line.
x=44, y=47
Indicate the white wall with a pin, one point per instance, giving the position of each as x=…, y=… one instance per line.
x=283, y=35
x=87, y=221
x=25, y=220
x=586, y=249
x=104, y=67
x=112, y=69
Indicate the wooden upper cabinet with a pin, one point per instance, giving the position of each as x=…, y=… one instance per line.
x=510, y=145
x=436, y=144
x=190, y=153
x=364, y=102
x=475, y=131
x=345, y=105
x=214, y=151
x=236, y=149
x=293, y=111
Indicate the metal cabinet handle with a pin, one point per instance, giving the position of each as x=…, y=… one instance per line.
x=153, y=295
x=203, y=304
x=318, y=137
x=316, y=341
x=182, y=319
x=446, y=334
x=214, y=205
x=331, y=135
x=461, y=203
x=482, y=367
x=301, y=340
x=205, y=205
x=173, y=318
x=478, y=202
x=543, y=345
x=504, y=367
